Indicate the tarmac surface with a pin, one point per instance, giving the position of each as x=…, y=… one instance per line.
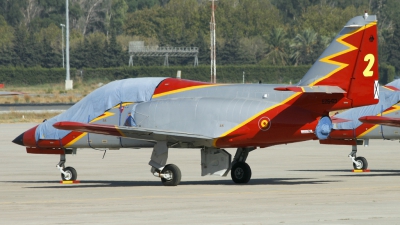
x=302, y=183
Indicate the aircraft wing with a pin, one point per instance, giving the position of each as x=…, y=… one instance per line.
x=382, y=120
x=174, y=138
x=4, y=93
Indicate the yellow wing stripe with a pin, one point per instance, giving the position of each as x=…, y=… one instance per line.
x=328, y=59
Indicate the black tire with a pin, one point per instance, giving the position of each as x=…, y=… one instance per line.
x=175, y=174
x=363, y=161
x=241, y=173
x=72, y=174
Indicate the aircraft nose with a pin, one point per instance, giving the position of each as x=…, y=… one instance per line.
x=27, y=138
x=19, y=140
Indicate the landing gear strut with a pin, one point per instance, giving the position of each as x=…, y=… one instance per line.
x=170, y=174
x=241, y=171
x=359, y=163
x=67, y=173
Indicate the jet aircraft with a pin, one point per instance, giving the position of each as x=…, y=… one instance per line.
x=5, y=93
x=165, y=113
x=358, y=125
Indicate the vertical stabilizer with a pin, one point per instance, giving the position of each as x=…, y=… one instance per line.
x=350, y=62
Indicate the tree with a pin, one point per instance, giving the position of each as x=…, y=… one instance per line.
x=93, y=16
x=277, y=47
x=6, y=56
x=144, y=23
x=49, y=58
x=32, y=56
x=119, y=9
x=325, y=19
x=115, y=52
x=204, y=48
x=304, y=45
x=19, y=43
x=233, y=53
x=11, y=11
x=6, y=33
x=292, y=9
x=163, y=2
x=134, y=5
x=394, y=50
x=79, y=54
x=94, y=49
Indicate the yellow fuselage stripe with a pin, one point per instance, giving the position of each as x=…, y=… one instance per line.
x=185, y=89
x=255, y=116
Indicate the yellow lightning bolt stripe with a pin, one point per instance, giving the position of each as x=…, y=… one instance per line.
x=255, y=116
x=123, y=104
x=105, y=114
x=387, y=88
x=75, y=139
x=328, y=59
x=396, y=108
x=185, y=89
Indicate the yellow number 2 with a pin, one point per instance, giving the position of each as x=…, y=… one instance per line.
x=371, y=60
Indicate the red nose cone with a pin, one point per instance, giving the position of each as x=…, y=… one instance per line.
x=29, y=137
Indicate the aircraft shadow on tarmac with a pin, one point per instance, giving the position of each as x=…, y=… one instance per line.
x=108, y=183
x=372, y=173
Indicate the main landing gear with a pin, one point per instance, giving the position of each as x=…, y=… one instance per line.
x=214, y=162
x=170, y=174
x=359, y=163
x=241, y=172
x=67, y=173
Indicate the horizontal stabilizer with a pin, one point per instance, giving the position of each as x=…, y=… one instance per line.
x=312, y=89
x=172, y=137
x=381, y=120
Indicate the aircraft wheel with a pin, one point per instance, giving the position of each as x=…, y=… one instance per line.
x=71, y=174
x=173, y=175
x=363, y=163
x=241, y=173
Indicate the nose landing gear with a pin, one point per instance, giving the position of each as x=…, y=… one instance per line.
x=67, y=173
x=359, y=163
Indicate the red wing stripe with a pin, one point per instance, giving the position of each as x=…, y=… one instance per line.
x=87, y=127
x=388, y=121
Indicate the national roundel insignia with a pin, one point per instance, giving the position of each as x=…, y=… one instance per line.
x=264, y=123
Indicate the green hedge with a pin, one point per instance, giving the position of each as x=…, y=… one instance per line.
x=225, y=74
x=386, y=73
x=30, y=76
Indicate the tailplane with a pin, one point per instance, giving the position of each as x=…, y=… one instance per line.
x=350, y=62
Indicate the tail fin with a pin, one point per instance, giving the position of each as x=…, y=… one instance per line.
x=350, y=62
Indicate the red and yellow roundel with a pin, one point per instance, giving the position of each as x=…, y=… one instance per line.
x=264, y=123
